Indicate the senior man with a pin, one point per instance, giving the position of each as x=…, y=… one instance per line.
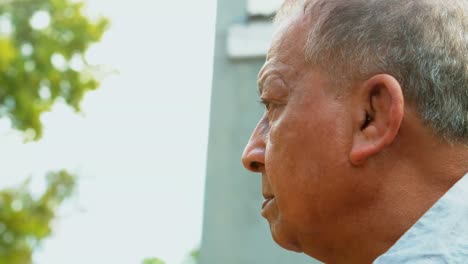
x=362, y=147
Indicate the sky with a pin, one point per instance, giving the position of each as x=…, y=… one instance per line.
x=139, y=145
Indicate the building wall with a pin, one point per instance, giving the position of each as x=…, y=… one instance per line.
x=233, y=230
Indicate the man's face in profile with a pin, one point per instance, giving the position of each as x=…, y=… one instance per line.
x=301, y=146
x=362, y=146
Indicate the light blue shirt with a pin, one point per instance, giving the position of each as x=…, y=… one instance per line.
x=439, y=236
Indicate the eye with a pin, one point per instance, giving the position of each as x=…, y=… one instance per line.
x=265, y=103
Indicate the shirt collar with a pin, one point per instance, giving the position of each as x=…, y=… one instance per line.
x=439, y=236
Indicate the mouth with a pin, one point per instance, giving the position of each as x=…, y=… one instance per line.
x=268, y=199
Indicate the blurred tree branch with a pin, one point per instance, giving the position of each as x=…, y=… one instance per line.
x=42, y=48
x=25, y=220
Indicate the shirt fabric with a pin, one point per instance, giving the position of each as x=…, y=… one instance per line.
x=439, y=236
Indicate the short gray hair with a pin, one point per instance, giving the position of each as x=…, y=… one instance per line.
x=422, y=43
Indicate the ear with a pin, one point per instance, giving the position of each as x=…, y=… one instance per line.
x=379, y=107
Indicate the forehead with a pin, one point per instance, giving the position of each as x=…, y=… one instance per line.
x=287, y=46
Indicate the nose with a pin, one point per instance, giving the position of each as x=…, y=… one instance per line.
x=253, y=157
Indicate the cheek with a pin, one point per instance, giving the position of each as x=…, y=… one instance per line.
x=291, y=164
x=306, y=162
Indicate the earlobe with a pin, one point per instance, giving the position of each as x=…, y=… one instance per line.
x=380, y=107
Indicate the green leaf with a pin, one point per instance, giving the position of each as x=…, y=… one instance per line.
x=153, y=261
x=35, y=59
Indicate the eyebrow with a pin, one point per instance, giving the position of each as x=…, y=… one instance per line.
x=259, y=88
x=266, y=74
x=261, y=79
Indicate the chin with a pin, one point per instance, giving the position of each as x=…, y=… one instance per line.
x=285, y=238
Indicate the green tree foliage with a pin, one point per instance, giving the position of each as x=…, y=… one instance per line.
x=42, y=46
x=26, y=220
x=153, y=261
x=195, y=255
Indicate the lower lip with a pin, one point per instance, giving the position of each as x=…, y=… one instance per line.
x=266, y=202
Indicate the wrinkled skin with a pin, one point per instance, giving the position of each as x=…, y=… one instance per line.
x=320, y=199
x=300, y=144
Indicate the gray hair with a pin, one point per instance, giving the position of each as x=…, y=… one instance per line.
x=422, y=43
